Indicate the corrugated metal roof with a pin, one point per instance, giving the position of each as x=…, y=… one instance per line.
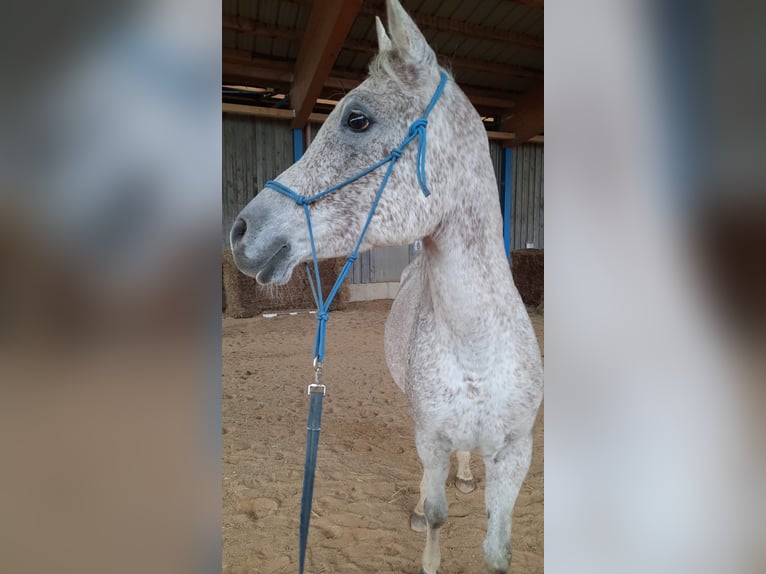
x=490, y=45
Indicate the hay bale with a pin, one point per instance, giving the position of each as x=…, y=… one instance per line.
x=245, y=298
x=527, y=267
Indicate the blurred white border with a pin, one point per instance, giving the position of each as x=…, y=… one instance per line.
x=647, y=434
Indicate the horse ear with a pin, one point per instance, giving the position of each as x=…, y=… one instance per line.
x=384, y=42
x=406, y=38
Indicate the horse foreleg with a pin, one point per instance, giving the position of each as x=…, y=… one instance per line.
x=505, y=472
x=464, y=479
x=436, y=469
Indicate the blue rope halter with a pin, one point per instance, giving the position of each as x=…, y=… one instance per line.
x=417, y=130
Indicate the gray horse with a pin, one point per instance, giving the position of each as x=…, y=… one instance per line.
x=459, y=342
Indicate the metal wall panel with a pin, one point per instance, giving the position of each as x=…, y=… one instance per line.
x=528, y=193
x=528, y=196
x=389, y=262
x=255, y=150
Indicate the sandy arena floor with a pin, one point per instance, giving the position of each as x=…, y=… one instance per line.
x=368, y=471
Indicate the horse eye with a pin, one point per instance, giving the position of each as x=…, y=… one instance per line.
x=357, y=121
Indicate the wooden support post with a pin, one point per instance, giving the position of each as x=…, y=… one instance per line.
x=527, y=118
x=326, y=30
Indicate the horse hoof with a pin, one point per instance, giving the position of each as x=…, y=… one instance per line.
x=465, y=486
x=418, y=522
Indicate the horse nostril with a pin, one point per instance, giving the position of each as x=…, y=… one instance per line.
x=238, y=230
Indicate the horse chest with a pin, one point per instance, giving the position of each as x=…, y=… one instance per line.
x=460, y=380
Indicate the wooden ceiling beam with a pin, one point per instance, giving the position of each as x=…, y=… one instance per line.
x=250, y=75
x=253, y=28
x=502, y=136
x=326, y=30
x=251, y=81
x=239, y=65
x=458, y=62
x=527, y=118
x=257, y=111
x=499, y=68
x=231, y=55
x=426, y=21
x=261, y=112
x=489, y=98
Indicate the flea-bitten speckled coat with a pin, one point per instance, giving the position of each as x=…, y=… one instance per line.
x=459, y=342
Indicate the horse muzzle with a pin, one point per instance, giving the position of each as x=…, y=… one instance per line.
x=268, y=259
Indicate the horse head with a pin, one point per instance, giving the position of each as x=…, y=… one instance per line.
x=269, y=237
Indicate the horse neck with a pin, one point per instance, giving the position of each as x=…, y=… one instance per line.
x=468, y=275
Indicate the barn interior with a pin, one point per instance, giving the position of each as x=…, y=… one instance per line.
x=287, y=63
x=293, y=59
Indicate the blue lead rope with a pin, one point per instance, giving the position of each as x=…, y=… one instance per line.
x=417, y=130
x=309, y=467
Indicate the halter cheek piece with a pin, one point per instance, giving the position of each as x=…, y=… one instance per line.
x=316, y=390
